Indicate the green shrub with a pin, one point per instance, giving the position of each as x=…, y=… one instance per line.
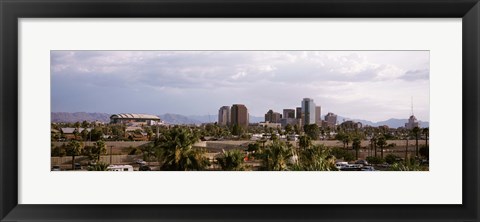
x=340, y=153
x=423, y=151
x=391, y=159
x=374, y=160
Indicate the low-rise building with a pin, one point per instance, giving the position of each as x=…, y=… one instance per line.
x=270, y=125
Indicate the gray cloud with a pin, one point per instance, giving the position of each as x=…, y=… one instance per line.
x=177, y=81
x=414, y=75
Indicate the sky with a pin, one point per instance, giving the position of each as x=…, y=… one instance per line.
x=368, y=85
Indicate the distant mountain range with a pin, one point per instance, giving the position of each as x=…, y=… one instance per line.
x=58, y=117
x=198, y=119
x=392, y=123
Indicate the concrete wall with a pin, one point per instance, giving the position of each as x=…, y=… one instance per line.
x=116, y=144
x=119, y=147
x=83, y=160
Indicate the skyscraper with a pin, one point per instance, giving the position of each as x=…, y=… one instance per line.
x=239, y=115
x=224, y=116
x=299, y=113
x=308, y=110
x=331, y=119
x=318, y=118
x=272, y=117
x=288, y=113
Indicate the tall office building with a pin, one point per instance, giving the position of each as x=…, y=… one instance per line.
x=273, y=117
x=331, y=119
x=239, y=115
x=308, y=110
x=224, y=116
x=318, y=117
x=289, y=113
x=299, y=113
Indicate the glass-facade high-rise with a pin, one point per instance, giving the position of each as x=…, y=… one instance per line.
x=308, y=110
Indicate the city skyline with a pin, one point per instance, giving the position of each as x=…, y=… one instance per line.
x=369, y=85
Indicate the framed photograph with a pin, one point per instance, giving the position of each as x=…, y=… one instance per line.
x=227, y=110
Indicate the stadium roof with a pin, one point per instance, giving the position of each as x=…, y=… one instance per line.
x=134, y=116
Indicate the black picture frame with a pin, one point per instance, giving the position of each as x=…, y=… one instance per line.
x=11, y=11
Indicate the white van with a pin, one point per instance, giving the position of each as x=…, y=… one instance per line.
x=120, y=168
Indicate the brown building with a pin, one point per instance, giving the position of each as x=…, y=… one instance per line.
x=331, y=120
x=239, y=115
x=299, y=113
x=289, y=113
x=300, y=116
x=273, y=117
x=318, y=118
x=351, y=125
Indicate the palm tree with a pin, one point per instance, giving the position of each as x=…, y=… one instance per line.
x=407, y=136
x=175, y=151
x=288, y=129
x=381, y=143
x=374, y=144
x=416, y=132
x=317, y=158
x=231, y=160
x=304, y=141
x=276, y=156
x=98, y=167
x=148, y=152
x=356, y=145
x=100, y=148
x=426, y=132
x=346, y=139
x=74, y=148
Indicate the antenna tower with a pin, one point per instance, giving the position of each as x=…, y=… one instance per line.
x=412, y=105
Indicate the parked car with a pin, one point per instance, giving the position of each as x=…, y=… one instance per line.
x=368, y=168
x=363, y=162
x=144, y=168
x=140, y=162
x=120, y=168
x=78, y=166
x=56, y=168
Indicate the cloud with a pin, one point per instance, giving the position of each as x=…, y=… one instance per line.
x=414, y=75
x=156, y=81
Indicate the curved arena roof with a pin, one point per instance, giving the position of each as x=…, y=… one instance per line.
x=134, y=116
